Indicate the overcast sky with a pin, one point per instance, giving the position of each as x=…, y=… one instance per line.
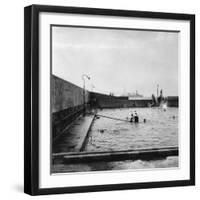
x=117, y=61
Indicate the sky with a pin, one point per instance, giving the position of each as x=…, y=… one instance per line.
x=116, y=60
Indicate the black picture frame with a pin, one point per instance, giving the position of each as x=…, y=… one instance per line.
x=31, y=98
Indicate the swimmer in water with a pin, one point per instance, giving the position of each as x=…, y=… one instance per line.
x=136, y=118
x=131, y=119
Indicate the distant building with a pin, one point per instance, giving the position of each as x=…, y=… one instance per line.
x=123, y=97
x=132, y=94
x=140, y=98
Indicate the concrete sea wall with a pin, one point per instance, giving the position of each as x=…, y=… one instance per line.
x=106, y=101
x=66, y=103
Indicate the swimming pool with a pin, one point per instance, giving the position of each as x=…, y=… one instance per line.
x=160, y=130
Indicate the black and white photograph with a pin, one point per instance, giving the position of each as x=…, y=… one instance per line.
x=109, y=99
x=114, y=99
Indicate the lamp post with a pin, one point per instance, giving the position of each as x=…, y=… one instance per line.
x=83, y=78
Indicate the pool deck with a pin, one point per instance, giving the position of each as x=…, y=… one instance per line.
x=137, y=154
x=74, y=138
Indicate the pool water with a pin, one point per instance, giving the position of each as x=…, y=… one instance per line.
x=159, y=130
